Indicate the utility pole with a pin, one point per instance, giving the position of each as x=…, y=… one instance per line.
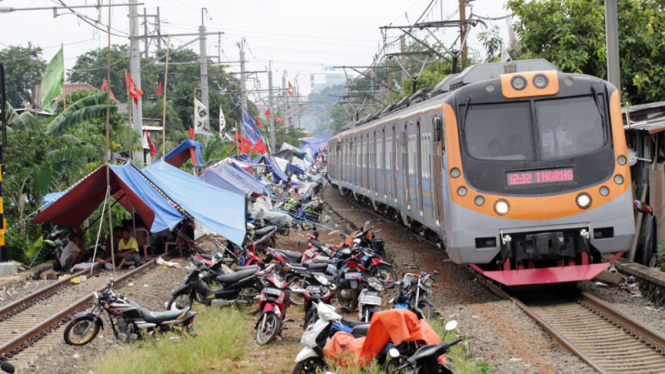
x=612, y=44
x=286, y=99
x=271, y=107
x=159, y=31
x=243, y=76
x=462, y=29
x=402, y=49
x=204, y=67
x=135, y=67
x=145, y=32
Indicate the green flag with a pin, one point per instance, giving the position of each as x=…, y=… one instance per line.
x=53, y=85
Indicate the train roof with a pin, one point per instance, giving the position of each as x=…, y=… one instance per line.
x=428, y=97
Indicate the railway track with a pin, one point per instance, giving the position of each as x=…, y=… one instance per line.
x=26, y=325
x=606, y=339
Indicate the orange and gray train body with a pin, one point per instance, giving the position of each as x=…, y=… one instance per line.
x=518, y=169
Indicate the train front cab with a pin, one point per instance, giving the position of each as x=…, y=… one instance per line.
x=539, y=216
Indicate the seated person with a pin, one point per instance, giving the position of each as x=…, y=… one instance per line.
x=495, y=148
x=73, y=252
x=185, y=235
x=105, y=257
x=128, y=249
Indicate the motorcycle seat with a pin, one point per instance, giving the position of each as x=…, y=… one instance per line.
x=264, y=230
x=296, y=256
x=360, y=331
x=253, y=268
x=234, y=277
x=324, y=260
x=159, y=317
x=315, y=267
x=353, y=323
x=205, y=255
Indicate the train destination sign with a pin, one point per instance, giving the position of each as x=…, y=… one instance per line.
x=540, y=176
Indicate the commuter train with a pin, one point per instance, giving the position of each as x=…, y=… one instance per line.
x=515, y=168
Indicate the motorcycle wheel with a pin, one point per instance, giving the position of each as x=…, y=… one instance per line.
x=366, y=315
x=349, y=302
x=80, y=332
x=310, y=366
x=181, y=301
x=248, y=300
x=427, y=309
x=268, y=327
x=296, y=298
x=385, y=273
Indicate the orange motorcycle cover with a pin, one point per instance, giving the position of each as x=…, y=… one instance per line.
x=396, y=325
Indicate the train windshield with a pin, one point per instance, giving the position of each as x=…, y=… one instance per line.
x=563, y=128
x=499, y=132
x=569, y=127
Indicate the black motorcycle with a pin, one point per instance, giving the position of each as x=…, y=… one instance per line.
x=425, y=360
x=414, y=290
x=240, y=289
x=128, y=319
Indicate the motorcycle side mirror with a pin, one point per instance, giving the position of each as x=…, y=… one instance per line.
x=394, y=353
x=436, y=272
x=451, y=325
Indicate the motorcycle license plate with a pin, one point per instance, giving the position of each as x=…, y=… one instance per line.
x=353, y=275
x=370, y=299
x=332, y=270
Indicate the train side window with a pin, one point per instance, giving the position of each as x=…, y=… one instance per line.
x=439, y=135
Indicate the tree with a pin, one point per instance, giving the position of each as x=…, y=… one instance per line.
x=91, y=68
x=571, y=35
x=24, y=67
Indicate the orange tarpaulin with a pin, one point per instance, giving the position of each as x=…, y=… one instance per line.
x=396, y=325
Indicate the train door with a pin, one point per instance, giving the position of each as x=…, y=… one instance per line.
x=440, y=151
x=393, y=165
x=381, y=164
x=406, y=168
x=419, y=159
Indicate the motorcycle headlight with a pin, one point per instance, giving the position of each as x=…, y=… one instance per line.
x=321, y=279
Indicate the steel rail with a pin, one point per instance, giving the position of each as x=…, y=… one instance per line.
x=28, y=338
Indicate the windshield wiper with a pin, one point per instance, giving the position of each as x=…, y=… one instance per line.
x=466, y=111
x=595, y=100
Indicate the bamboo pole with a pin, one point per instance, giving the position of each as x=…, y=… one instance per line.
x=166, y=80
x=108, y=150
x=64, y=95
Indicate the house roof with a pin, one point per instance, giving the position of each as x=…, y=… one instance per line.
x=69, y=89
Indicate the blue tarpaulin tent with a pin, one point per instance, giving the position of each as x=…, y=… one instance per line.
x=316, y=144
x=294, y=169
x=220, y=211
x=128, y=186
x=217, y=181
x=231, y=178
x=265, y=159
x=183, y=152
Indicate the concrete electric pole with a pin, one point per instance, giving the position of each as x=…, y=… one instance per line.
x=204, y=67
x=243, y=76
x=462, y=29
x=286, y=100
x=135, y=67
x=271, y=107
x=612, y=44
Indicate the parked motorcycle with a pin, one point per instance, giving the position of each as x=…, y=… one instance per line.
x=425, y=359
x=240, y=289
x=369, y=300
x=128, y=319
x=414, y=289
x=310, y=359
x=273, y=302
x=313, y=296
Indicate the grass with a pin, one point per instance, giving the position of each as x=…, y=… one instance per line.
x=222, y=336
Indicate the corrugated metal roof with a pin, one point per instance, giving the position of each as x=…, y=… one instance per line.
x=646, y=117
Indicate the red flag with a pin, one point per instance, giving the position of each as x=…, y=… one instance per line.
x=279, y=119
x=159, y=89
x=258, y=122
x=260, y=147
x=290, y=86
x=268, y=112
x=134, y=92
x=243, y=144
x=105, y=87
x=151, y=145
x=290, y=92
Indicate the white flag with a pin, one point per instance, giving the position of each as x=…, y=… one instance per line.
x=505, y=56
x=222, y=127
x=200, y=116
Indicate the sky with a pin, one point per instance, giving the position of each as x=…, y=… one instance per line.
x=299, y=36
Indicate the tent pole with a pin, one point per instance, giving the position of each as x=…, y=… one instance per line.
x=166, y=80
x=108, y=151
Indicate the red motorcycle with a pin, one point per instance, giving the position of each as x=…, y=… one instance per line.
x=273, y=302
x=249, y=257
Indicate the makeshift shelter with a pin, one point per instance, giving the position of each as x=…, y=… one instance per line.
x=291, y=168
x=231, y=178
x=219, y=210
x=128, y=187
x=289, y=154
x=243, y=157
x=315, y=144
x=272, y=163
x=183, y=152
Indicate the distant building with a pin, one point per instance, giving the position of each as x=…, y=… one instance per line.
x=69, y=89
x=325, y=79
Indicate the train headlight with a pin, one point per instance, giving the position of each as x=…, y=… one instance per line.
x=621, y=160
x=501, y=207
x=583, y=200
x=489, y=87
x=518, y=83
x=568, y=81
x=479, y=200
x=618, y=179
x=455, y=173
x=462, y=191
x=540, y=81
x=604, y=191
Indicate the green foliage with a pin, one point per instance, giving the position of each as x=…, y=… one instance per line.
x=21, y=121
x=492, y=43
x=91, y=68
x=571, y=34
x=222, y=336
x=660, y=257
x=24, y=67
x=81, y=111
